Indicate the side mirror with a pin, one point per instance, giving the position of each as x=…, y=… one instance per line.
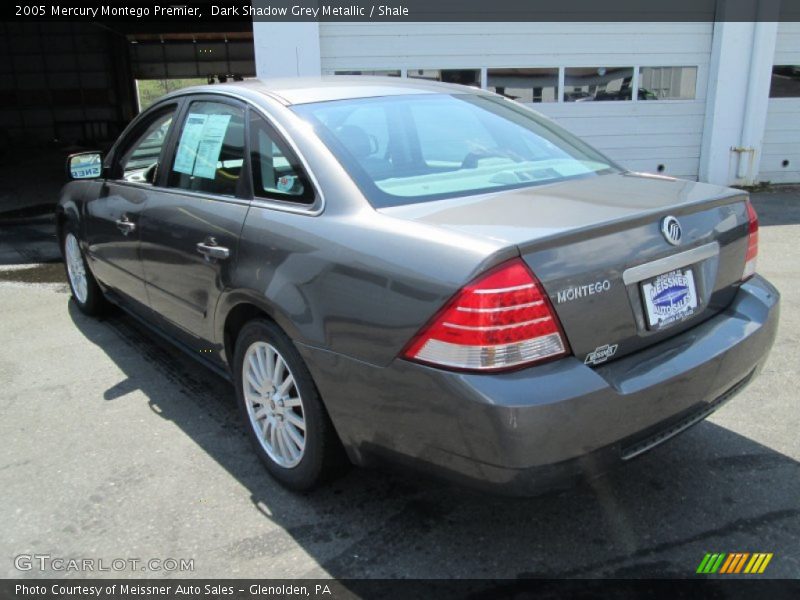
x=85, y=165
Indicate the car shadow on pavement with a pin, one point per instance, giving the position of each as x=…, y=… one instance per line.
x=709, y=490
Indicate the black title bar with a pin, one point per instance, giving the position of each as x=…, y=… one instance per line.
x=387, y=589
x=227, y=11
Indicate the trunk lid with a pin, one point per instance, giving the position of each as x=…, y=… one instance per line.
x=597, y=247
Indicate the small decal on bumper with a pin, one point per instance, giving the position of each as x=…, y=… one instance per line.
x=601, y=354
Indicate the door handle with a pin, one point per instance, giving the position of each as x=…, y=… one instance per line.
x=209, y=249
x=125, y=225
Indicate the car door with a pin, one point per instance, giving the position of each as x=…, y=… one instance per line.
x=190, y=228
x=112, y=217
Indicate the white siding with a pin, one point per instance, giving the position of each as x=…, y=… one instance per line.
x=787, y=46
x=640, y=135
x=782, y=133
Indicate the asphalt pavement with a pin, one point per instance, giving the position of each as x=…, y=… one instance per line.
x=116, y=446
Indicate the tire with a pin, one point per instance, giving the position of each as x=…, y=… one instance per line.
x=85, y=291
x=273, y=413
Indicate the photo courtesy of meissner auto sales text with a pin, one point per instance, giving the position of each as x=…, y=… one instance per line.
x=342, y=299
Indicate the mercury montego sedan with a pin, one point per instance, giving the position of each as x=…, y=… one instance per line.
x=420, y=273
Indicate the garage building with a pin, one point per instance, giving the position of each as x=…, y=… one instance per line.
x=716, y=101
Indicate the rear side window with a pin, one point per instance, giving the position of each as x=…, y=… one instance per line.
x=139, y=161
x=277, y=172
x=210, y=150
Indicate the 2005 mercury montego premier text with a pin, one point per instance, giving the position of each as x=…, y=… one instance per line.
x=420, y=273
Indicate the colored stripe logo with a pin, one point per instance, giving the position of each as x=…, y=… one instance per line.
x=734, y=562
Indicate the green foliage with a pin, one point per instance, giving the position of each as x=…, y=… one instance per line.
x=151, y=90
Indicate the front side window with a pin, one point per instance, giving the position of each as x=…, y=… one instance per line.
x=420, y=147
x=138, y=163
x=210, y=152
x=277, y=172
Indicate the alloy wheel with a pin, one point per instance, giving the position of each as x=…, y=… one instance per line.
x=75, y=268
x=274, y=404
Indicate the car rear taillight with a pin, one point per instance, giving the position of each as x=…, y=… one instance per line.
x=752, y=243
x=502, y=319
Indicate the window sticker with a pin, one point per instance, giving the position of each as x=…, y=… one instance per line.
x=190, y=138
x=210, y=146
x=286, y=183
x=201, y=144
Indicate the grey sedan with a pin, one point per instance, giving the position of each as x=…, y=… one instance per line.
x=421, y=274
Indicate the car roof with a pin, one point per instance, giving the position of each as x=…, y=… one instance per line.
x=302, y=90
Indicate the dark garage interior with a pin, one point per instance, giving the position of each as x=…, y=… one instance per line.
x=66, y=87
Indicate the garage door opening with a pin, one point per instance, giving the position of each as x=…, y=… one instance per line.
x=164, y=62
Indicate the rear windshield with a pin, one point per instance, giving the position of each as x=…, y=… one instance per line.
x=422, y=147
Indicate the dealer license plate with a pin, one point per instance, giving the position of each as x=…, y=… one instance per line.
x=669, y=298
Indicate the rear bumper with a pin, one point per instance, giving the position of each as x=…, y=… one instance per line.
x=537, y=428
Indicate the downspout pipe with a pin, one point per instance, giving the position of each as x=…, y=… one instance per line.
x=757, y=99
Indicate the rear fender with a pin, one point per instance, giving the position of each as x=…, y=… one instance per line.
x=230, y=300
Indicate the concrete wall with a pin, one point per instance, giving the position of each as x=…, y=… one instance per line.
x=741, y=65
x=286, y=49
